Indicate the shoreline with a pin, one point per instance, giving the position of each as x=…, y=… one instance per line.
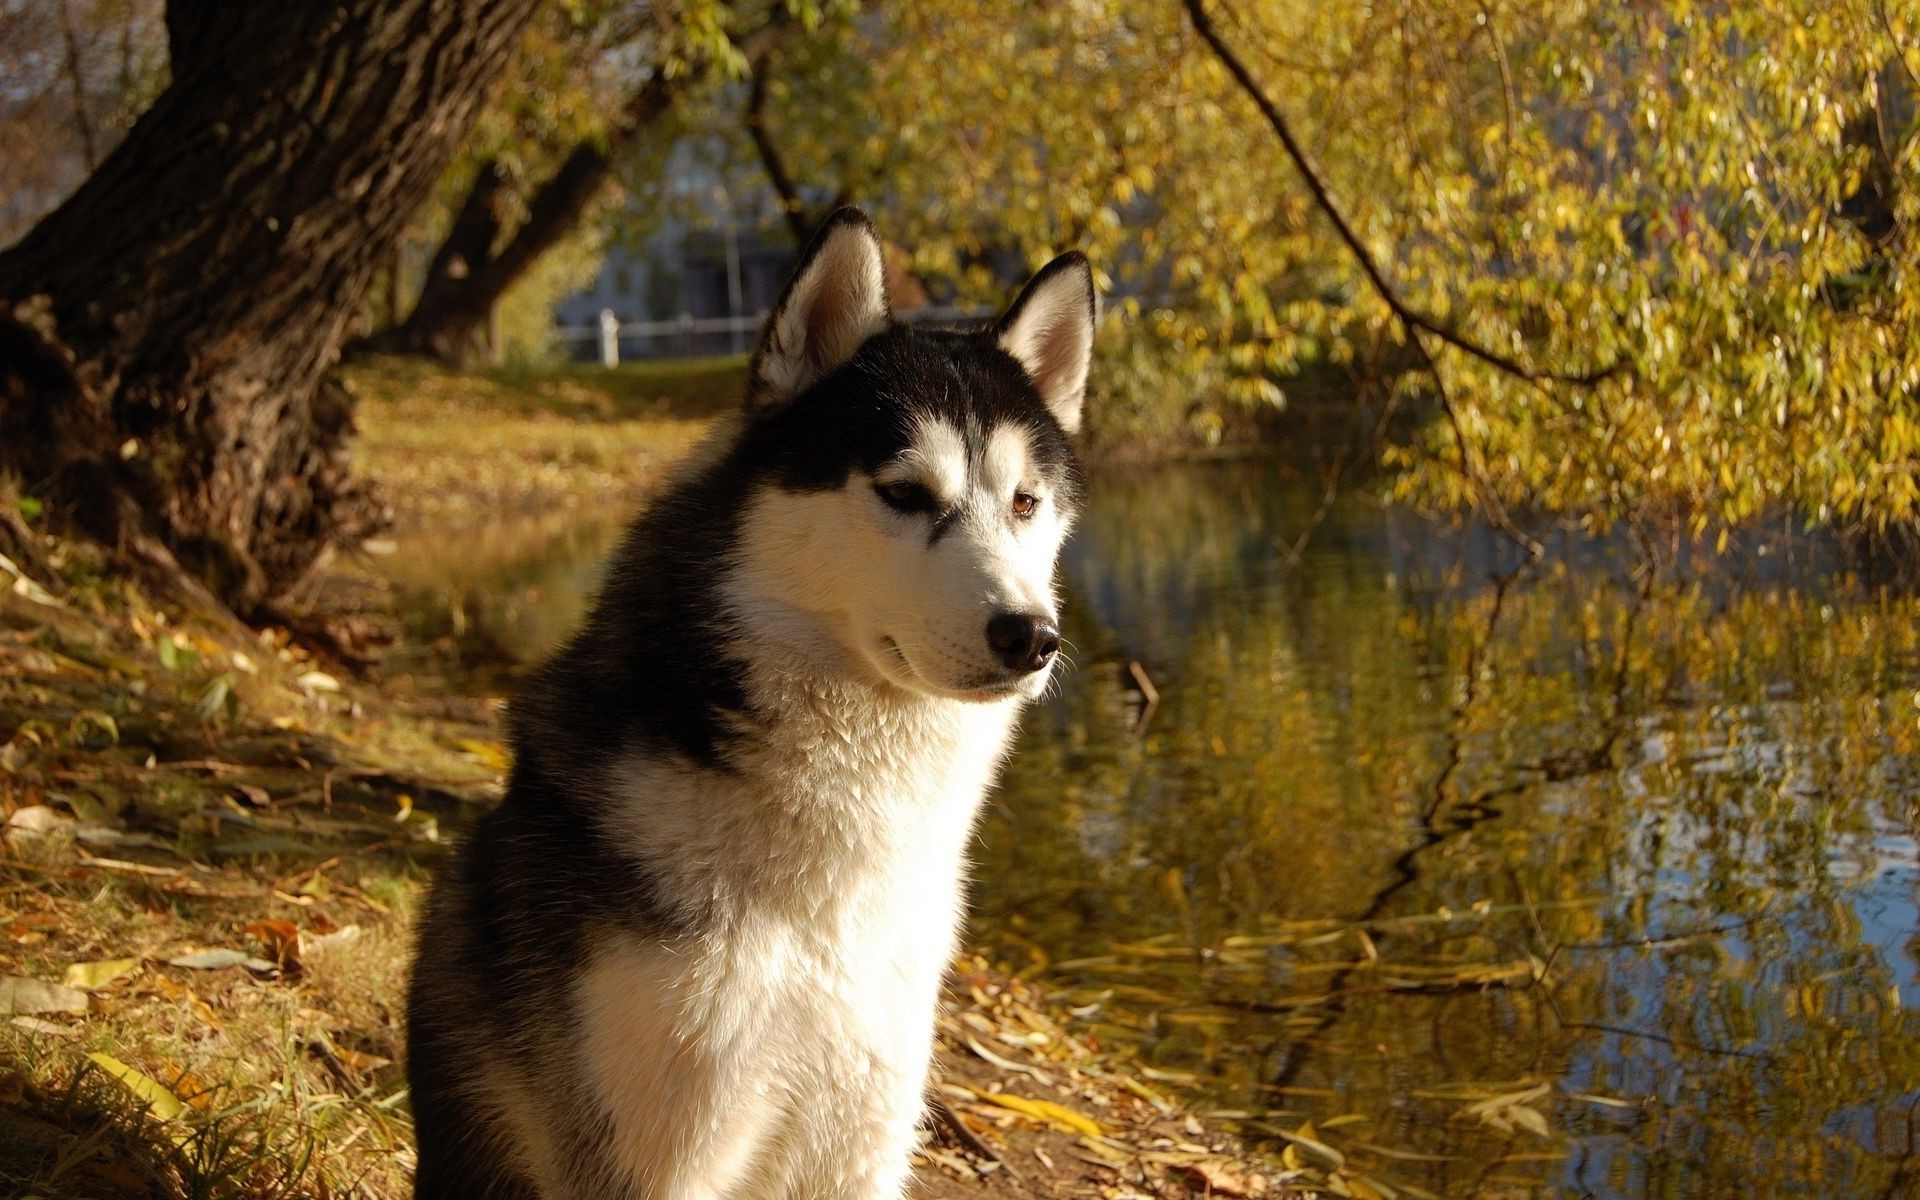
x=214, y=844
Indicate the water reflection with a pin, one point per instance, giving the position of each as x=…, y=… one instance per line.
x=1405, y=834
x=1549, y=883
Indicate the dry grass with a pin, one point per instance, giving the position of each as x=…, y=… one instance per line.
x=448, y=445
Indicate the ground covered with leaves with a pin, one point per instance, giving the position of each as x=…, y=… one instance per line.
x=216, y=839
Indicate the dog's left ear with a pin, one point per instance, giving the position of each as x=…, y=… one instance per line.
x=1049, y=330
x=836, y=300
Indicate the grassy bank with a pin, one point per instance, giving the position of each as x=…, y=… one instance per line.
x=518, y=439
x=216, y=841
x=448, y=445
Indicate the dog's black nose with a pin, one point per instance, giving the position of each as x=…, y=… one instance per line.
x=1021, y=642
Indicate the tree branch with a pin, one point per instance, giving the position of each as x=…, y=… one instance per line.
x=557, y=205
x=469, y=241
x=792, y=207
x=1411, y=319
x=77, y=82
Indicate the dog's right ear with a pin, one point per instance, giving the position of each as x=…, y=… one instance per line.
x=1049, y=331
x=836, y=300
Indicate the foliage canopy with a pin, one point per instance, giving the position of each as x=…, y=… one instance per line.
x=1709, y=205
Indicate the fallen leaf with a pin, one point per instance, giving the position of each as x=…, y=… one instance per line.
x=101, y=837
x=159, y=1101
x=1605, y=1101
x=203, y=1097
x=318, y=681
x=282, y=939
x=361, y=1062
x=1511, y=1110
x=23, y=585
x=87, y=976
x=48, y=1028
x=27, y=928
x=353, y=1064
x=1163, y=1105
x=1530, y=1119
x=1217, y=1179
x=1045, y=1110
x=20, y=995
x=1364, y=1188
x=1305, y=1140
x=34, y=822
x=332, y=940
x=1005, y=1064
x=217, y=960
x=180, y=993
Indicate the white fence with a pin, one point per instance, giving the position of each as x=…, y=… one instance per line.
x=743, y=330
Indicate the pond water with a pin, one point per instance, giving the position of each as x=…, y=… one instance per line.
x=1563, y=882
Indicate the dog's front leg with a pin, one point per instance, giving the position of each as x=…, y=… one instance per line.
x=854, y=1139
x=680, y=1114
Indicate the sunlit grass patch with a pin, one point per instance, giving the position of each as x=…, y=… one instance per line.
x=450, y=444
x=209, y=1080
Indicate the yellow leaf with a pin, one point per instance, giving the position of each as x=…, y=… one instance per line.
x=1362, y=1190
x=1217, y=1178
x=159, y=1101
x=88, y=976
x=488, y=754
x=1313, y=1147
x=1146, y=1093
x=1045, y=1110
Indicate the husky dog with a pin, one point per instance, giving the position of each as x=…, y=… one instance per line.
x=695, y=953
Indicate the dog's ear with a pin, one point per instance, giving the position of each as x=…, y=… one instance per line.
x=836, y=300
x=1049, y=330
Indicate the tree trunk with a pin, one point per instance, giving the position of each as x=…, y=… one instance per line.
x=165, y=334
x=468, y=276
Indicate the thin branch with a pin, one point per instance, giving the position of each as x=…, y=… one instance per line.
x=1412, y=319
x=1490, y=502
x=77, y=83
x=792, y=207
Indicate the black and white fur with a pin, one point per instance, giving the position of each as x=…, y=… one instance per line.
x=695, y=953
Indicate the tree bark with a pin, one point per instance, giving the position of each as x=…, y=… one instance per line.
x=469, y=276
x=166, y=333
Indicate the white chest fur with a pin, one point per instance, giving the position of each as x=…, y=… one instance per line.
x=782, y=1049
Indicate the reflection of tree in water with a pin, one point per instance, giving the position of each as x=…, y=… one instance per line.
x=1669, y=794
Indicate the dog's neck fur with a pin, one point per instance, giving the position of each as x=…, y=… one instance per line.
x=836, y=789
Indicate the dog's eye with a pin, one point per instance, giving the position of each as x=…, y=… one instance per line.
x=1024, y=503
x=903, y=495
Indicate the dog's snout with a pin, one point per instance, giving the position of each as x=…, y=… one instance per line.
x=1023, y=642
